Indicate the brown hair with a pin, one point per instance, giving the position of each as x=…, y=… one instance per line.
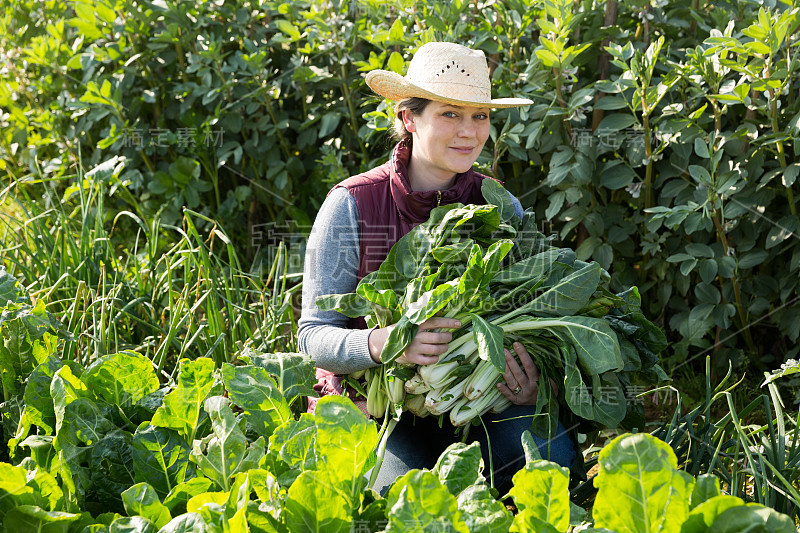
x=415, y=106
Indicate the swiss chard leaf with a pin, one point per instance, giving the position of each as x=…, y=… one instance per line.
x=294, y=372
x=121, y=378
x=481, y=512
x=177, y=498
x=418, y=502
x=489, y=339
x=34, y=518
x=569, y=295
x=494, y=193
x=181, y=407
x=541, y=489
x=459, y=467
x=111, y=468
x=141, y=499
x=255, y=391
x=160, y=457
x=640, y=487
x=225, y=452
x=314, y=504
x=294, y=444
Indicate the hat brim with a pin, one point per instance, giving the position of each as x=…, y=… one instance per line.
x=395, y=87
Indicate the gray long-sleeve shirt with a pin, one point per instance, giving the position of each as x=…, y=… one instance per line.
x=331, y=267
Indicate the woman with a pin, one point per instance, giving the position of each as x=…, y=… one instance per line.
x=442, y=119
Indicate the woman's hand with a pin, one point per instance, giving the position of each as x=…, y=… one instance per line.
x=521, y=384
x=425, y=348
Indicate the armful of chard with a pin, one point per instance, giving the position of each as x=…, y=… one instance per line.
x=504, y=281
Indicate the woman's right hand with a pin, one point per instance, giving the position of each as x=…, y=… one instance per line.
x=425, y=348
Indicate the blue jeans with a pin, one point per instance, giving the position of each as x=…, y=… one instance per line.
x=418, y=442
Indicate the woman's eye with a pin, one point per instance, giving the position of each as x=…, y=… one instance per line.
x=449, y=114
x=481, y=116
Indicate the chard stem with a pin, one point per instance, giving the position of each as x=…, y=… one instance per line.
x=387, y=428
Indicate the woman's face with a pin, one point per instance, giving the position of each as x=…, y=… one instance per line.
x=447, y=138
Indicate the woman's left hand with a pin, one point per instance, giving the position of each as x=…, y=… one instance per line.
x=521, y=384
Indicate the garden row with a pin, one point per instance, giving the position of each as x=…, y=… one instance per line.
x=661, y=143
x=106, y=447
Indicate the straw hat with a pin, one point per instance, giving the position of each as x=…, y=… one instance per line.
x=444, y=72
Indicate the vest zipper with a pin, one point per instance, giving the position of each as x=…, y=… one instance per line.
x=438, y=198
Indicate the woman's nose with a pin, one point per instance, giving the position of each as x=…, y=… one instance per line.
x=467, y=128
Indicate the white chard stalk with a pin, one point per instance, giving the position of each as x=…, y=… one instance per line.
x=416, y=385
x=442, y=400
x=416, y=405
x=465, y=410
x=483, y=379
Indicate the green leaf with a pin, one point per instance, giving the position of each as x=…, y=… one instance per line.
x=11, y=290
x=132, y=524
x=417, y=502
x=541, y=488
x=617, y=175
x=225, y=452
x=187, y=523
x=314, y=505
x=569, y=295
x=122, y=378
x=345, y=440
x=704, y=514
x=610, y=103
x=639, y=486
x=13, y=489
x=179, y=496
x=351, y=305
x=459, y=466
x=181, y=407
x=700, y=148
x=294, y=372
x=288, y=28
x=489, y=339
x=160, y=457
x=254, y=390
x=141, y=499
x=111, y=467
x=752, y=517
x=615, y=122
x=481, y=512
x=494, y=193
x=294, y=443
x=396, y=62
x=32, y=518
x=706, y=487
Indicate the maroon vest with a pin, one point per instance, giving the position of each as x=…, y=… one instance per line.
x=388, y=208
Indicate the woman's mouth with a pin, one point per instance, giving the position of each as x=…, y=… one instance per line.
x=463, y=149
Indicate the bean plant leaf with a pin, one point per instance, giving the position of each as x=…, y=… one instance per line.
x=255, y=391
x=294, y=373
x=161, y=458
x=639, y=486
x=121, y=378
x=181, y=407
x=542, y=490
x=141, y=499
x=489, y=339
x=225, y=452
x=418, y=502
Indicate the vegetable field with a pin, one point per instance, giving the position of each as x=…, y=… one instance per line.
x=161, y=163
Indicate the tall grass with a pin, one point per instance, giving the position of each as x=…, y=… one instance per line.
x=118, y=281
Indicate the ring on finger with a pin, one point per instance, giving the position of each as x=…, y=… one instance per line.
x=517, y=390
